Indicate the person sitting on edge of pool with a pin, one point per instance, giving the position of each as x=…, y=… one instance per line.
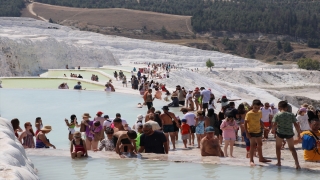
x=41, y=139
x=209, y=145
x=122, y=139
x=311, y=142
x=78, y=146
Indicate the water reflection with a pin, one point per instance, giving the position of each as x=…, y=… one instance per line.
x=79, y=167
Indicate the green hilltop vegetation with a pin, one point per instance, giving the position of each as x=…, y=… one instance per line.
x=297, y=18
x=11, y=7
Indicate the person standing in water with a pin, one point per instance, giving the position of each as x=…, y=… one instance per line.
x=71, y=126
x=39, y=125
x=167, y=119
x=16, y=126
x=283, y=121
x=253, y=126
x=115, y=74
x=26, y=137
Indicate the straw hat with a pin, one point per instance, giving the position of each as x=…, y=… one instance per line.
x=86, y=115
x=46, y=128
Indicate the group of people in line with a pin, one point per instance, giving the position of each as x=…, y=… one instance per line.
x=74, y=75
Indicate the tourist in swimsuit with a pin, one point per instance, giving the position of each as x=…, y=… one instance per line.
x=78, y=146
x=241, y=116
x=71, y=126
x=39, y=126
x=167, y=125
x=87, y=123
x=210, y=144
x=41, y=139
x=196, y=96
x=200, y=126
x=228, y=127
x=123, y=139
x=148, y=98
x=27, y=136
x=16, y=126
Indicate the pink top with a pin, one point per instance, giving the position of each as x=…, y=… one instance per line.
x=228, y=129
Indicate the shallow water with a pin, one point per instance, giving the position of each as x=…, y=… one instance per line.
x=53, y=106
x=90, y=168
x=42, y=83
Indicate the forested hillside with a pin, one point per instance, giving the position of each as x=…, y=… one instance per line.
x=11, y=7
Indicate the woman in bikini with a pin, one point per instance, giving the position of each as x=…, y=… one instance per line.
x=71, y=126
x=38, y=124
x=26, y=137
x=78, y=146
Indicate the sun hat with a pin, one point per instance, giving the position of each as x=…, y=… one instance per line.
x=272, y=104
x=46, y=128
x=190, y=90
x=196, y=89
x=99, y=113
x=86, y=115
x=77, y=134
x=224, y=96
x=140, y=116
x=303, y=109
x=209, y=129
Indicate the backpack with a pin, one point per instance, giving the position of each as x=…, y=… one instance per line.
x=309, y=142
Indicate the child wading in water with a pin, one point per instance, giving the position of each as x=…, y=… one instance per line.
x=253, y=126
x=185, y=132
x=78, y=146
x=228, y=128
x=283, y=122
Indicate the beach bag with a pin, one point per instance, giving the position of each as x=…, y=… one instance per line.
x=308, y=142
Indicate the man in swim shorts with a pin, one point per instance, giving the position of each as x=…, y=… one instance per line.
x=167, y=119
x=209, y=145
x=253, y=126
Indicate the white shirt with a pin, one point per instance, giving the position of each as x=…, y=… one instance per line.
x=303, y=122
x=211, y=105
x=206, y=96
x=107, y=123
x=275, y=111
x=101, y=119
x=266, y=114
x=191, y=118
x=188, y=96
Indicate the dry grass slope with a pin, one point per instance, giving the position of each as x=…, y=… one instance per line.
x=123, y=18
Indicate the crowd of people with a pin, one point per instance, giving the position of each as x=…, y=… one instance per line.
x=153, y=132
